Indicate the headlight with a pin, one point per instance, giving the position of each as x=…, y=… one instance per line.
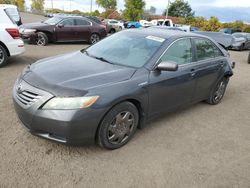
x=29, y=30
x=70, y=103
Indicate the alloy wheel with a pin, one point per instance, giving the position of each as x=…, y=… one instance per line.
x=41, y=41
x=94, y=38
x=220, y=91
x=121, y=127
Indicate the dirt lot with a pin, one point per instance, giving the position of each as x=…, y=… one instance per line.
x=202, y=146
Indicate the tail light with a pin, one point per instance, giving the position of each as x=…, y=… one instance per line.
x=14, y=33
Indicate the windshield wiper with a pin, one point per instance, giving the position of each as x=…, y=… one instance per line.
x=99, y=58
x=103, y=59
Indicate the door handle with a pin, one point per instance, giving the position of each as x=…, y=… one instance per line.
x=221, y=63
x=192, y=72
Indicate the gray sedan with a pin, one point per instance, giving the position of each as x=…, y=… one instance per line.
x=104, y=93
x=242, y=41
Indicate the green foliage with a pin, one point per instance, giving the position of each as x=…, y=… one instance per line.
x=180, y=8
x=7, y=2
x=55, y=11
x=107, y=4
x=18, y=3
x=37, y=6
x=133, y=9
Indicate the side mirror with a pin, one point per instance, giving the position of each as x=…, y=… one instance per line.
x=60, y=25
x=168, y=66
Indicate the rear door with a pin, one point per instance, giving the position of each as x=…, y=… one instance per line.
x=65, y=30
x=83, y=29
x=169, y=90
x=208, y=67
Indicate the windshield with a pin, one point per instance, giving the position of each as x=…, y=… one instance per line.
x=53, y=21
x=126, y=48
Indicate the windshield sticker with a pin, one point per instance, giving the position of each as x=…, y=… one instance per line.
x=158, y=39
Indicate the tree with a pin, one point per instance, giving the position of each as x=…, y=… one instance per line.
x=7, y=2
x=180, y=8
x=20, y=4
x=107, y=4
x=133, y=9
x=37, y=6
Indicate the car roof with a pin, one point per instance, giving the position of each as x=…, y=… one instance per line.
x=166, y=34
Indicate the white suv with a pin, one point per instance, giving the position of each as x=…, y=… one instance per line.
x=10, y=42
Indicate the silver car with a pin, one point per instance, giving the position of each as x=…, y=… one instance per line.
x=242, y=41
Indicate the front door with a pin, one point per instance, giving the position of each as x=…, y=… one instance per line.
x=65, y=30
x=170, y=90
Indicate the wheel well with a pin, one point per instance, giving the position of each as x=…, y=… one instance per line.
x=7, y=50
x=137, y=105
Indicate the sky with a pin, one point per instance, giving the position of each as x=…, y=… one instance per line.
x=225, y=10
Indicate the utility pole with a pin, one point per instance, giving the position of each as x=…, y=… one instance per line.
x=167, y=9
x=91, y=2
x=52, y=4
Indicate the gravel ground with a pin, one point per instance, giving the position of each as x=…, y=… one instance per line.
x=201, y=146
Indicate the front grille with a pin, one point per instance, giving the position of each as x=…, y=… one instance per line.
x=27, y=97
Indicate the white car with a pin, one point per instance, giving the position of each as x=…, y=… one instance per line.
x=116, y=22
x=10, y=42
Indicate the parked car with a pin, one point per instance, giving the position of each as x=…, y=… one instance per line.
x=112, y=26
x=118, y=23
x=10, y=42
x=132, y=25
x=63, y=29
x=13, y=12
x=167, y=28
x=105, y=92
x=229, y=30
x=242, y=41
x=225, y=40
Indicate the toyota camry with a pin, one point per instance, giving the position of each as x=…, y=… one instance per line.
x=104, y=93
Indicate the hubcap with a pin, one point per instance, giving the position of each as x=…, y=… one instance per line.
x=121, y=127
x=220, y=91
x=40, y=40
x=1, y=56
x=94, y=38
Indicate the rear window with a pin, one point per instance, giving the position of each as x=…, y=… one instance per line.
x=10, y=17
x=13, y=14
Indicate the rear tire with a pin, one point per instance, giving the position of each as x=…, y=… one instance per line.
x=42, y=39
x=3, y=56
x=112, y=31
x=218, y=92
x=249, y=58
x=118, y=126
x=94, y=38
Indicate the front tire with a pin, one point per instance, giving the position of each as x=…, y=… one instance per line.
x=3, y=56
x=218, y=93
x=42, y=39
x=118, y=126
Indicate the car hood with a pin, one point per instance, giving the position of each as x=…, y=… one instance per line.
x=74, y=74
x=35, y=25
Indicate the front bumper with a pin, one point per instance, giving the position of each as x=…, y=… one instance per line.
x=74, y=127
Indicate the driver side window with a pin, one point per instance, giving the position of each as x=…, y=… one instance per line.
x=179, y=52
x=68, y=22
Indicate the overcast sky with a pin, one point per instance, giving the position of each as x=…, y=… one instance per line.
x=225, y=10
